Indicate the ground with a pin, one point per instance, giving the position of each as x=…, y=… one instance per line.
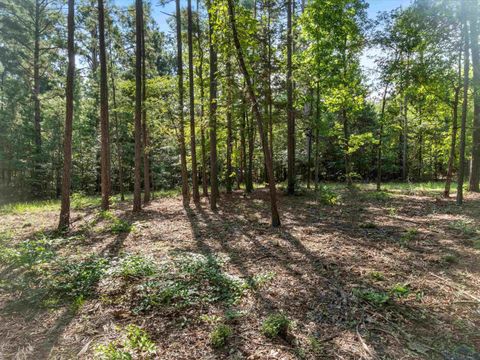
x=351, y=274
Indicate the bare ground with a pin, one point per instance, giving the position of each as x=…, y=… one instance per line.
x=321, y=257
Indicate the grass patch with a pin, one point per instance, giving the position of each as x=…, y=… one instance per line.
x=219, y=336
x=276, y=325
x=400, y=290
x=190, y=280
x=409, y=235
x=135, y=343
x=465, y=227
x=134, y=266
x=374, y=297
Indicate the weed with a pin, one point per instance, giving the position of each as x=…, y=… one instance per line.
x=367, y=225
x=476, y=244
x=408, y=236
x=400, y=290
x=450, y=259
x=77, y=279
x=376, y=298
x=190, y=280
x=377, y=275
x=219, y=336
x=134, y=266
x=316, y=346
x=276, y=325
x=327, y=196
x=135, y=344
x=257, y=281
x=392, y=211
x=467, y=228
x=120, y=226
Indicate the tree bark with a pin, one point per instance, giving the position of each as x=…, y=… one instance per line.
x=183, y=151
x=137, y=193
x=213, y=116
x=37, y=171
x=104, y=121
x=475, y=167
x=258, y=115
x=67, y=142
x=290, y=114
x=380, y=136
x=195, y=192
x=466, y=68
x=146, y=155
x=228, y=176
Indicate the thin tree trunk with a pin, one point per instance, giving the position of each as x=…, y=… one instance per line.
x=258, y=115
x=183, y=152
x=37, y=171
x=290, y=114
x=117, y=138
x=67, y=142
x=466, y=67
x=346, y=135
x=317, y=139
x=213, y=116
x=380, y=136
x=104, y=121
x=228, y=177
x=137, y=192
x=146, y=155
x=195, y=192
x=453, y=141
x=475, y=168
x=405, y=140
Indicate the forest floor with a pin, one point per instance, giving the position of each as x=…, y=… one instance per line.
x=350, y=274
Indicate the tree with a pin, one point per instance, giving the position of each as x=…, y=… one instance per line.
x=463, y=125
x=64, y=222
x=104, y=121
x=137, y=192
x=214, y=193
x=290, y=113
x=475, y=167
x=183, y=151
x=146, y=160
x=257, y=114
x=193, y=144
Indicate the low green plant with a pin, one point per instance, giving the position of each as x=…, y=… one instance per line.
x=189, y=280
x=327, y=196
x=259, y=280
x=450, y=259
x=400, y=290
x=374, y=297
x=408, y=236
x=316, y=346
x=120, y=226
x=219, y=336
x=476, y=244
x=135, y=344
x=466, y=227
x=276, y=325
x=377, y=275
x=134, y=266
x=72, y=280
x=367, y=225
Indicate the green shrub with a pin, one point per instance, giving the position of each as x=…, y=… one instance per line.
x=120, y=226
x=327, y=196
x=276, y=325
x=408, y=236
x=374, y=297
x=219, y=336
x=450, y=259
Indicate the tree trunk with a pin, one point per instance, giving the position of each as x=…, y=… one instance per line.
x=453, y=141
x=37, y=170
x=405, y=140
x=213, y=116
x=137, y=193
x=258, y=116
x=380, y=135
x=475, y=168
x=104, y=121
x=290, y=114
x=67, y=142
x=195, y=192
x=317, y=139
x=183, y=152
x=466, y=68
x=146, y=150
x=117, y=138
x=228, y=177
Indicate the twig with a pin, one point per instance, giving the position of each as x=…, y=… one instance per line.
x=365, y=346
x=456, y=288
